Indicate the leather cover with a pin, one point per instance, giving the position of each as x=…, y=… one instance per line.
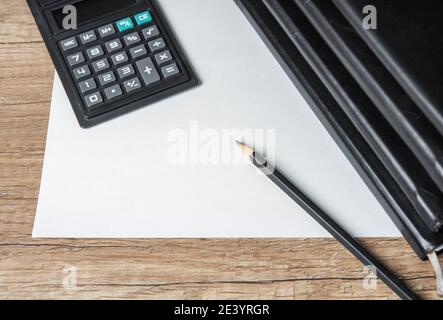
x=396, y=106
x=409, y=42
x=386, y=143
x=338, y=123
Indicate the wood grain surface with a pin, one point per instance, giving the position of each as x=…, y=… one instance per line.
x=148, y=269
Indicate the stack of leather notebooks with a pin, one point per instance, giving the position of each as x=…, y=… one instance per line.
x=377, y=86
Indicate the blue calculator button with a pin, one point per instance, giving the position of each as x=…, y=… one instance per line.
x=143, y=18
x=124, y=24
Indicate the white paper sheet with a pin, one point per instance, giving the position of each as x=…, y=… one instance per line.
x=117, y=180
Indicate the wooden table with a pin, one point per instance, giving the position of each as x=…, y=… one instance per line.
x=145, y=269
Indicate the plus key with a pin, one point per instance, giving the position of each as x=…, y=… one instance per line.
x=147, y=70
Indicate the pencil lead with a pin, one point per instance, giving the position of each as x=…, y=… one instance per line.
x=247, y=150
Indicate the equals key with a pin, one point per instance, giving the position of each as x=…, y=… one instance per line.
x=170, y=70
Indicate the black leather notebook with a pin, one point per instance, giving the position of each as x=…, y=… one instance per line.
x=384, y=141
x=342, y=129
x=377, y=82
x=409, y=41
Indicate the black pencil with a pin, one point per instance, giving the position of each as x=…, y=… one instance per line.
x=349, y=242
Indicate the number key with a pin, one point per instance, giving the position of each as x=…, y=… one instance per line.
x=119, y=58
x=106, y=78
x=113, y=45
x=76, y=58
x=100, y=65
x=81, y=72
x=87, y=85
x=93, y=99
x=125, y=71
x=95, y=52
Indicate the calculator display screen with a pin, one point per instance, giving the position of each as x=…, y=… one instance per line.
x=88, y=10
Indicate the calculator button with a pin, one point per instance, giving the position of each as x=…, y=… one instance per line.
x=69, y=43
x=88, y=37
x=170, y=70
x=93, y=99
x=113, y=92
x=124, y=24
x=87, y=85
x=125, y=71
x=100, y=65
x=150, y=32
x=113, y=45
x=163, y=57
x=132, y=38
x=106, y=78
x=106, y=31
x=138, y=51
x=76, y=58
x=147, y=70
x=132, y=84
x=81, y=72
x=156, y=45
x=119, y=58
x=143, y=18
x=95, y=52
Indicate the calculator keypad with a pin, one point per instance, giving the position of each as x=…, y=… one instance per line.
x=131, y=56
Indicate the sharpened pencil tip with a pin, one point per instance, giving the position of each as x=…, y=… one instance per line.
x=247, y=150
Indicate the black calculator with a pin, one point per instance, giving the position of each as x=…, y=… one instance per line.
x=112, y=56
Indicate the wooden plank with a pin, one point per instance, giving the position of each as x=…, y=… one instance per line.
x=199, y=268
x=18, y=25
